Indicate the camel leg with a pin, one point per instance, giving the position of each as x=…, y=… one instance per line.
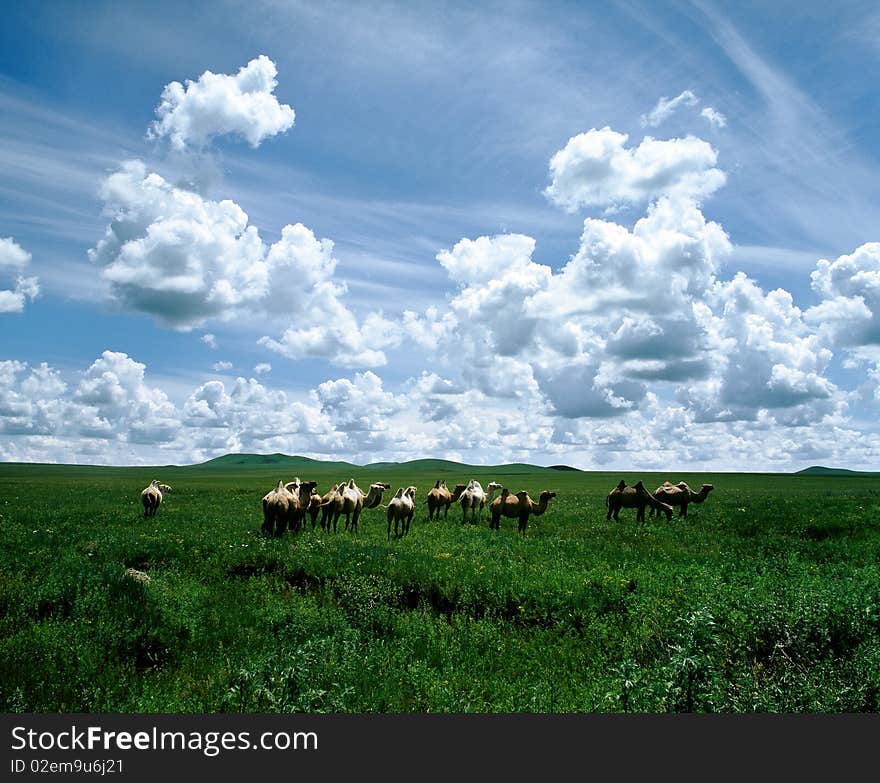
x=683, y=511
x=523, y=521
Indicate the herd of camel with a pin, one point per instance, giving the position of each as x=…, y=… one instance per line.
x=290, y=504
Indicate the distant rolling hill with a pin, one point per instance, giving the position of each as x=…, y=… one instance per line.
x=259, y=461
x=296, y=463
x=819, y=470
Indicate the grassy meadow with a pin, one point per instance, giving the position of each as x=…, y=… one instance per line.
x=766, y=598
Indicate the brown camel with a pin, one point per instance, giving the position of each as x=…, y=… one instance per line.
x=680, y=495
x=519, y=506
x=636, y=497
x=440, y=497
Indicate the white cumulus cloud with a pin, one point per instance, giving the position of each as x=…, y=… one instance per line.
x=15, y=258
x=597, y=169
x=186, y=260
x=243, y=104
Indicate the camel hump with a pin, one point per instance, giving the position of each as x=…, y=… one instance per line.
x=504, y=492
x=280, y=484
x=399, y=493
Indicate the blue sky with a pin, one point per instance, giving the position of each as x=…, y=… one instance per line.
x=626, y=235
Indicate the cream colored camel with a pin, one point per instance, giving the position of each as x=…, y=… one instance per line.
x=636, y=497
x=279, y=507
x=680, y=495
x=439, y=497
x=474, y=499
x=355, y=500
x=151, y=497
x=314, y=507
x=519, y=506
x=331, y=507
x=400, y=510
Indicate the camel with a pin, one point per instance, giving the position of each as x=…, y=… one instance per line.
x=440, y=497
x=151, y=497
x=314, y=507
x=328, y=500
x=400, y=510
x=636, y=497
x=680, y=495
x=303, y=492
x=350, y=500
x=473, y=499
x=331, y=507
x=279, y=507
x=519, y=506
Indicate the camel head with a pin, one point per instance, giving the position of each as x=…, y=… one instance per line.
x=543, y=501
x=493, y=486
x=374, y=497
x=704, y=491
x=456, y=493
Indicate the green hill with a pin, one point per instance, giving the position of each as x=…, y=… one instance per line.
x=819, y=470
x=259, y=461
x=297, y=463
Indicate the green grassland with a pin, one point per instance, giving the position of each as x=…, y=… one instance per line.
x=766, y=598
